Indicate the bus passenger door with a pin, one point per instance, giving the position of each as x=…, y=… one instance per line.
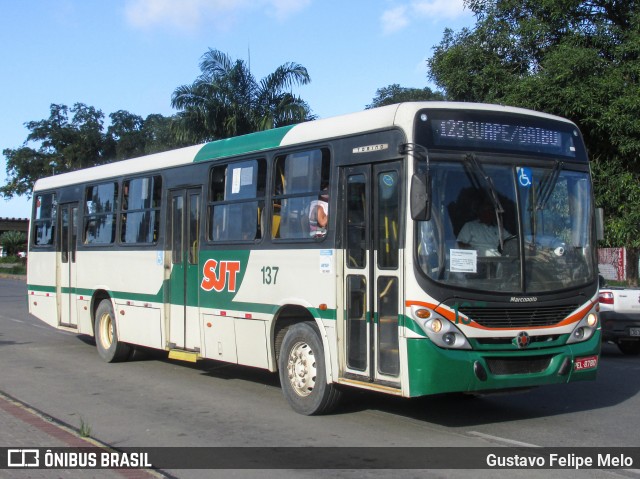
x=372, y=272
x=184, y=235
x=66, y=265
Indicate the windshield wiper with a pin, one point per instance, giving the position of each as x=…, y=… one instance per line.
x=547, y=185
x=476, y=167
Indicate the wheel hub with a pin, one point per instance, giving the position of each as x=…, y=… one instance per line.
x=301, y=368
x=107, y=332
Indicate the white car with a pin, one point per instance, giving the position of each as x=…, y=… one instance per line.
x=620, y=315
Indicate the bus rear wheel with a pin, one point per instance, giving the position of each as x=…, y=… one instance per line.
x=302, y=372
x=109, y=347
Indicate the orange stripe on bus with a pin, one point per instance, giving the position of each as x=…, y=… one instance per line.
x=451, y=316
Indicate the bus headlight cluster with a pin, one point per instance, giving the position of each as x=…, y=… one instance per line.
x=584, y=329
x=440, y=330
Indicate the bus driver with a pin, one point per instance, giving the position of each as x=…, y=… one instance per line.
x=482, y=233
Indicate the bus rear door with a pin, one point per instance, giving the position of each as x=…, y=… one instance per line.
x=66, y=265
x=184, y=235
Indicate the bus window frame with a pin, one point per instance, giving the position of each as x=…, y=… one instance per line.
x=260, y=200
x=52, y=219
x=114, y=212
x=326, y=153
x=121, y=211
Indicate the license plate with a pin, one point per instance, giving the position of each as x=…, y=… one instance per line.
x=634, y=331
x=589, y=362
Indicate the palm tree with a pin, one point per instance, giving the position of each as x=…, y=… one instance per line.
x=226, y=100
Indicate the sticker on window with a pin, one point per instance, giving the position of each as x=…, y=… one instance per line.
x=463, y=261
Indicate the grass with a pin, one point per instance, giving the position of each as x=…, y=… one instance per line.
x=85, y=428
x=9, y=260
x=13, y=265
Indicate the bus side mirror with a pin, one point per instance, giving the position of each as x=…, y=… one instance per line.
x=420, y=203
x=599, y=224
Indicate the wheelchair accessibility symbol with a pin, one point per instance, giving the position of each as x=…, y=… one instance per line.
x=525, y=177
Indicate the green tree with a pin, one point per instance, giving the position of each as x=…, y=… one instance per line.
x=129, y=136
x=71, y=139
x=125, y=136
x=158, y=134
x=618, y=192
x=396, y=94
x=62, y=144
x=574, y=58
x=13, y=242
x=226, y=100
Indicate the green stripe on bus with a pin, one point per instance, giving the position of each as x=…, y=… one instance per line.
x=41, y=288
x=158, y=298
x=78, y=291
x=261, y=140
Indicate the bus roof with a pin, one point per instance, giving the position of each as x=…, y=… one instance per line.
x=400, y=114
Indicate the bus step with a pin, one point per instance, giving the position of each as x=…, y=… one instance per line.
x=181, y=355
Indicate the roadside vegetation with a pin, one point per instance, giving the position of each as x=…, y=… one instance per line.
x=13, y=245
x=13, y=265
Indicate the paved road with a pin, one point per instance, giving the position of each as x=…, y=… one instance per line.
x=156, y=402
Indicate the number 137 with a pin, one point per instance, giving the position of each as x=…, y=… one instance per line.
x=269, y=274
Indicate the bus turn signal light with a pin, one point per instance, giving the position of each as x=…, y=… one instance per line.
x=423, y=313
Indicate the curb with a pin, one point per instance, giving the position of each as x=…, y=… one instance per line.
x=67, y=435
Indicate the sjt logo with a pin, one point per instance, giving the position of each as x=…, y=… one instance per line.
x=220, y=275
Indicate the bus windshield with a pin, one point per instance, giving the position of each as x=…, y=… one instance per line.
x=507, y=227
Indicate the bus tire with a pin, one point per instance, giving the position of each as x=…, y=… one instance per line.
x=302, y=372
x=109, y=347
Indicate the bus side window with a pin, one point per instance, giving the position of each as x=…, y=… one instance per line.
x=236, y=199
x=140, y=217
x=100, y=208
x=299, y=178
x=45, y=220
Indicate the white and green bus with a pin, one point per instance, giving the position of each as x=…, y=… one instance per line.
x=217, y=251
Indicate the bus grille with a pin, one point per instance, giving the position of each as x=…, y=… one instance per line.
x=518, y=317
x=527, y=365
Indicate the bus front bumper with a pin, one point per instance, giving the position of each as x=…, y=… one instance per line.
x=434, y=370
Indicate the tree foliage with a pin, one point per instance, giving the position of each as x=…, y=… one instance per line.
x=74, y=138
x=226, y=100
x=397, y=94
x=13, y=242
x=574, y=58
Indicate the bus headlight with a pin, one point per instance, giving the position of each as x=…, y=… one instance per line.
x=436, y=325
x=440, y=330
x=449, y=339
x=584, y=329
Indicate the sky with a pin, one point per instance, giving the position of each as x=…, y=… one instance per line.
x=132, y=54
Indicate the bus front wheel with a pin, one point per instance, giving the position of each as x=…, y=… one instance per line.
x=302, y=372
x=109, y=347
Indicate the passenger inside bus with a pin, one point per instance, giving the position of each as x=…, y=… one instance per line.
x=319, y=214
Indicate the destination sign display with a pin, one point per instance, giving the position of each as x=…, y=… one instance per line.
x=497, y=132
x=481, y=131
